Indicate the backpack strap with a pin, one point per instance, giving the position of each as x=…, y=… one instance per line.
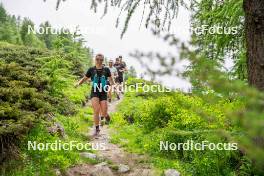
x=103, y=71
x=95, y=70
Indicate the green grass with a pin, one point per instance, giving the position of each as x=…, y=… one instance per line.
x=44, y=162
x=177, y=118
x=133, y=140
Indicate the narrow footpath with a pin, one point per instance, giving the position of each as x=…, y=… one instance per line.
x=113, y=161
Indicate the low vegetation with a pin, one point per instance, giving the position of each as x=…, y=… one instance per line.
x=144, y=121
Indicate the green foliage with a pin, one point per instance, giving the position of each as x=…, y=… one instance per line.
x=132, y=73
x=29, y=38
x=43, y=162
x=32, y=85
x=177, y=118
x=47, y=36
x=3, y=14
x=57, y=158
x=72, y=45
x=15, y=31
x=213, y=13
x=219, y=109
x=21, y=88
x=248, y=118
x=33, y=80
x=228, y=15
x=35, y=83
x=78, y=96
x=160, y=13
x=57, y=70
x=8, y=27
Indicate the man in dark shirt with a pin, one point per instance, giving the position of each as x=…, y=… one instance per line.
x=122, y=62
x=121, y=68
x=99, y=76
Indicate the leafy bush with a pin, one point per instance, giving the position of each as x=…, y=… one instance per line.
x=31, y=86
x=179, y=118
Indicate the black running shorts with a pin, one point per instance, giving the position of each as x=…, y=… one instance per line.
x=101, y=95
x=119, y=79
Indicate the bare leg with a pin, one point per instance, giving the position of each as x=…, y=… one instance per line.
x=96, y=110
x=117, y=90
x=104, y=108
x=110, y=92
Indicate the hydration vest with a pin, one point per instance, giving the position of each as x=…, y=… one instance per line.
x=102, y=79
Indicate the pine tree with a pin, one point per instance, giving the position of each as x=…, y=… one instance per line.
x=3, y=14
x=27, y=36
x=47, y=37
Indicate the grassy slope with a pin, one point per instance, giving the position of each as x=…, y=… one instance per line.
x=177, y=118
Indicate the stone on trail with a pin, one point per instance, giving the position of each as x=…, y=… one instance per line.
x=171, y=172
x=101, y=171
x=88, y=155
x=143, y=172
x=101, y=164
x=123, y=168
x=57, y=172
x=100, y=157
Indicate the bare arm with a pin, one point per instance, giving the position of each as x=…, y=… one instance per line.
x=111, y=80
x=115, y=74
x=124, y=69
x=81, y=81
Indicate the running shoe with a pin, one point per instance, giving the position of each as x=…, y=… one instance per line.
x=96, y=133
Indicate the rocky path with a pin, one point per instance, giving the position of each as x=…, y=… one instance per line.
x=113, y=160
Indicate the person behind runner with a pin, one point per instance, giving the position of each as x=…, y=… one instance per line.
x=124, y=68
x=99, y=76
x=123, y=63
x=114, y=74
x=120, y=69
x=119, y=78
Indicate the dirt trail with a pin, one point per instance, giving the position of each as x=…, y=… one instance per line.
x=116, y=160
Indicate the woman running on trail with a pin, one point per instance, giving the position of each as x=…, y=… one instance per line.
x=99, y=76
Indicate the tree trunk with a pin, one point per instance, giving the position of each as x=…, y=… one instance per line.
x=254, y=26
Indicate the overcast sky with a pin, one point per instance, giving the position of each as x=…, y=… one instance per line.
x=101, y=34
